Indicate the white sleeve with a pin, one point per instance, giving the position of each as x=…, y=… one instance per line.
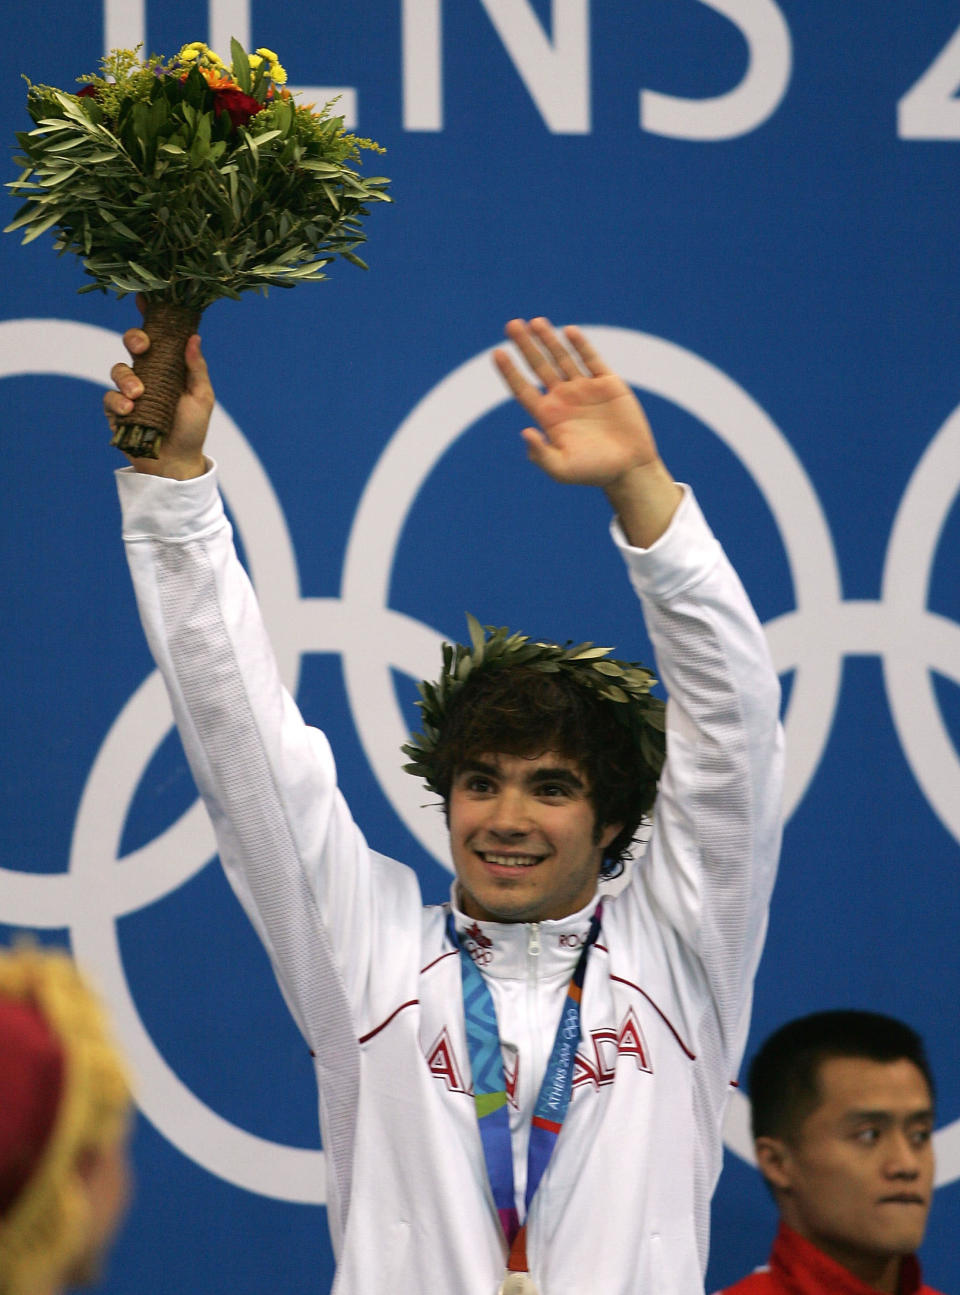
x=711, y=861
x=319, y=898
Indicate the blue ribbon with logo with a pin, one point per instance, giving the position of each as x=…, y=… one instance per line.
x=490, y=1088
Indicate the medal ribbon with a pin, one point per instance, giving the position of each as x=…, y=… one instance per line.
x=490, y=1088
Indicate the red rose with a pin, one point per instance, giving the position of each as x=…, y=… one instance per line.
x=241, y=107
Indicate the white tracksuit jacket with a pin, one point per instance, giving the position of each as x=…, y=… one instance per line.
x=375, y=987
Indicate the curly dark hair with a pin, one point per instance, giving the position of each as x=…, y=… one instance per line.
x=521, y=711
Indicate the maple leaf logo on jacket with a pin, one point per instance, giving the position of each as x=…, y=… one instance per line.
x=475, y=934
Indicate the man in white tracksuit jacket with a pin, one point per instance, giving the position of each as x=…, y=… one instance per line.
x=372, y=977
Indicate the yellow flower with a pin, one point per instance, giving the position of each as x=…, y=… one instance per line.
x=197, y=49
x=277, y=74
x=254, y=60
x=267, y=53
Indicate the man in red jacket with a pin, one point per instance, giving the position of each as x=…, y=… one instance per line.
x=842, y=1125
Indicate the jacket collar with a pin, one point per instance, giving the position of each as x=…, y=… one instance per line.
x=514, y=950
x=805, y=1270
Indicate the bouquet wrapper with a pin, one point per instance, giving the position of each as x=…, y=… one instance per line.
x=162, y=370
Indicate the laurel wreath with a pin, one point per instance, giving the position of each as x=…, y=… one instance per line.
x=625, y=685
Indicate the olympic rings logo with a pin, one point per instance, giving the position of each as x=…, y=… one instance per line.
x=101, y=885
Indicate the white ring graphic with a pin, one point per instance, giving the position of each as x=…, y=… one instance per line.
x=101, y=886
x=470, y=393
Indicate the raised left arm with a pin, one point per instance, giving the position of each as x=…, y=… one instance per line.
x=591, y=429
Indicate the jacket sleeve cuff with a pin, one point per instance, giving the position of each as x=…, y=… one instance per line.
x=685, y=553
x=159, y=508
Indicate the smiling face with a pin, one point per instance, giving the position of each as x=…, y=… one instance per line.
x=857, y=1179
x=523, y=837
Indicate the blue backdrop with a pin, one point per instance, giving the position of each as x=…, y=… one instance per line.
x=755, y=206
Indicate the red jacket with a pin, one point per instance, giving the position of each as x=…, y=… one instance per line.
x=799, y=1268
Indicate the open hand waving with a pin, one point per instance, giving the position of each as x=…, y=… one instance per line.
x=592, y=429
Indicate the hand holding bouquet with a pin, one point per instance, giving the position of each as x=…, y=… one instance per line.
x=188, y=180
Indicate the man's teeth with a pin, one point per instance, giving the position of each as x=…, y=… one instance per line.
x=510, y=860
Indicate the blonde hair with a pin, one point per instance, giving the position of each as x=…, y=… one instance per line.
x=46, y=1228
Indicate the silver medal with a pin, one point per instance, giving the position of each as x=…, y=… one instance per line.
x=518, y=1284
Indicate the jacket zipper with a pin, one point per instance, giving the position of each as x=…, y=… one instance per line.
x=533, y=940
x=533, y=1034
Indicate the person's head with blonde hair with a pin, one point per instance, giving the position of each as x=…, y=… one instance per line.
x=65, y=1108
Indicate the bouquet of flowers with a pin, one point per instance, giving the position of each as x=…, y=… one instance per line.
x=187, y=180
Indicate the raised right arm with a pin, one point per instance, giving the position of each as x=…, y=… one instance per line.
x=316, y=894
